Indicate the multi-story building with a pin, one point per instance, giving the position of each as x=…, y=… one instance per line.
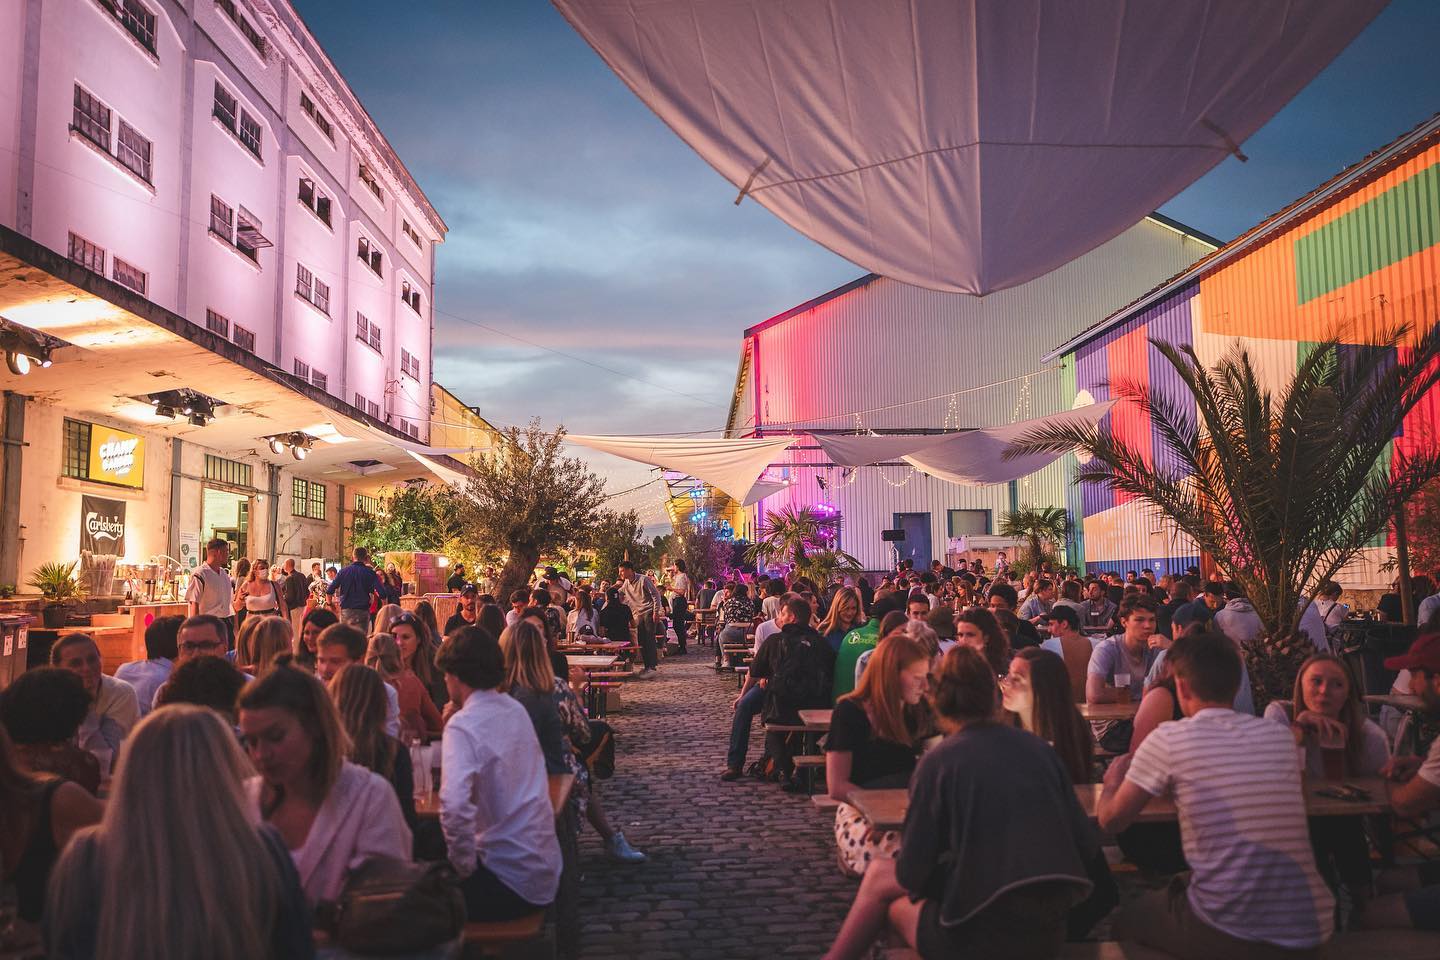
x=207, y=207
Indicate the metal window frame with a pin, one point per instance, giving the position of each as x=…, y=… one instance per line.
x=227, y=113
x=233, y=473
x=253, y=132
x=88, y=123
x=320, y=380
x=222, y=219
x=304, y=281
x=88, y=252
x=243, y=338
x=75, y=449
x=130, y=154
x=322, y=297
x=302, y=369
x=127, y=274
x=217, y=323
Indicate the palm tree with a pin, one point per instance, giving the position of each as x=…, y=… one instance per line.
x=1283, y=488
x=1039, y=526
x=800, y=536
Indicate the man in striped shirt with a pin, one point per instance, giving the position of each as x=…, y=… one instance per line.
x=1253, y=890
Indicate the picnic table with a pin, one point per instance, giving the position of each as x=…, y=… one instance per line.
x=613, y=646
x=885, y=809
x=1108, y=711
x=598, y=661
x=560, y=784
x=817, y=721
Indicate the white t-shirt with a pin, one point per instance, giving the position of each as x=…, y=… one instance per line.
x=763, y=631
x=1373, y=755
x=1236, y=784
x=212, y=591
x=768, y=606
x=1430, y=769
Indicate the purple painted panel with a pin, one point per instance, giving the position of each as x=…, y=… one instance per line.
x=1171, y=323
x=1092, y=373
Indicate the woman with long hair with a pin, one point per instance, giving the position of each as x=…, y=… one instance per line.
x=382, y=654
x=846, y=613
x=978, y=629
x=385, y=616
x=258, y=595
x=492, y=619
x=1037, y=690
x=559, y=723
x=216, y=882
x=426, y=613
x=737, y=613
x=38, y=815
x=306, y=645
x=260, y=640
x=874, y=742
x=419, y=716
x=359, y=695
x=582, y=620
x=330, y=812
x=418, y=645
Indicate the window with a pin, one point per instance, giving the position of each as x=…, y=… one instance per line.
x=369, y=255
x=367, y=177
x=367, y=333
x=967, y=523
x=411, y=429
x=233, y=472
x=217, y=324
x=77, y=450
x=320, y=380
x=244, y=339
x=240, y=231
x=222, y=219
x=133, y=151
x=91, y=118
x=313, y=377
x=312, y=291
x=239, y=121
x=367, y=505
x=87, y=254
x=307, y=106
x=135, y=17
x=307, y=499
x=415, y=430
x=302, y=370
x=247, y=29
x=315, y=200
x=367, y=406
x=409, y=364
x=128, y=275
x=412, y=233
x=410, y=295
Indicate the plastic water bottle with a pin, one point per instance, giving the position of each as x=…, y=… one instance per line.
x=420, y=765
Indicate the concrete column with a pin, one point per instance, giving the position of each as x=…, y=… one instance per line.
x=340, y=522
x=177, y=477
x=11, y=470
x=273, y=502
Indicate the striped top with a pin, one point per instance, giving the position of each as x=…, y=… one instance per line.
x=1236, y=783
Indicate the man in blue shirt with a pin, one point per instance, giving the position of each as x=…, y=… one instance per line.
x=356, y=584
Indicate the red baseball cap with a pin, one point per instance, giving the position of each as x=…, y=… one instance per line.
x=1424, y=654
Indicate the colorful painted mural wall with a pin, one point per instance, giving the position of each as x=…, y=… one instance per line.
x=1365, y=262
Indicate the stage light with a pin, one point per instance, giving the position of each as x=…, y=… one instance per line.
x=198, y=420
x=164, y=410
x=277, y=446
x=298, y=452
x=18, y=362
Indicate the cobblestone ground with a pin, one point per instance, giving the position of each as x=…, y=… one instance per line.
x=736, y=869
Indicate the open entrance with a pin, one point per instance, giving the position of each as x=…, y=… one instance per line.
x=226, y=515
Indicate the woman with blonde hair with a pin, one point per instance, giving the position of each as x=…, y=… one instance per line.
x=217, y=882
x=359, y=695
x=260, y=640
x=385, y=616
x=846, y=613
x=874, y=742
x=559, y=723
x=330, y=812
x=258, y=595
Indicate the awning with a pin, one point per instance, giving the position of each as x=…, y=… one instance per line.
x=731, y=464
x=857, y=449
x=977, y=458
x=965, y=145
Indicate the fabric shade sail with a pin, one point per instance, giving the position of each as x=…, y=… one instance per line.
x=733, y=465
x=965, y=145
x=977, y=458
x=858, y=450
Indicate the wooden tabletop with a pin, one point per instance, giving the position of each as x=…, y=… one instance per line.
x=1400, y=701
x=1108, y=711
x=598, y=645
x=591, y=662
x=885, y=809
x=817, y=720
x=560, y=785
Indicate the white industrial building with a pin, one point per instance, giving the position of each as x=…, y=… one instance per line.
x=878, y=355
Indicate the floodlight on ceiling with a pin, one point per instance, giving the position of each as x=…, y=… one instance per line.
x=197, y=409
x=297, y=441
x=277, y=446
x=24, y=348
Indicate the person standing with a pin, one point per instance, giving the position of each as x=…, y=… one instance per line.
x=356, y=585
x=639, y=593
x=680, y=604
x=457, y=579
x=294, y=588
x=211, y=591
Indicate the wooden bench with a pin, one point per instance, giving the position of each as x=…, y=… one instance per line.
x=823, y=801
x=809, y=760
x=491, y=939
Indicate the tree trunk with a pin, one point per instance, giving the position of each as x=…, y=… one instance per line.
x=1402, y=556
x=517, y=571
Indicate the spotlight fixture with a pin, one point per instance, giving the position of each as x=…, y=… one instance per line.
x=297, y=441
x=25, y=348
x=197, y=409
x=164, y=410
x=197, y=420
x=298, y=452
x=277, y=446
x=18, y=363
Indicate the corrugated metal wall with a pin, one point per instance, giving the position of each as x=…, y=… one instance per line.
x=881, y=346
x=1365, y=262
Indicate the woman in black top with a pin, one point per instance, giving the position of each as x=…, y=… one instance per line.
x=616, y=620
x=874, y=742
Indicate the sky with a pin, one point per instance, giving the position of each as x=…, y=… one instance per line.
x=597, y=273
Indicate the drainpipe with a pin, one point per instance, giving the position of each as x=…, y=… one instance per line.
x=11, y=467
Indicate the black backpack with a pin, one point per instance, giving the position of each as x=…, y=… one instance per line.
x=803, y=679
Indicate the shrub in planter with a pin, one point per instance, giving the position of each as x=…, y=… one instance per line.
x=1273, y=666
x=57, y=583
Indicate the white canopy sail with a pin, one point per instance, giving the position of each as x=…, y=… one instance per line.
x=965, y=145
x=733, y=465
x=977, y=458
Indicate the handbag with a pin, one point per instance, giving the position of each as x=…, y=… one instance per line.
x=391, y=906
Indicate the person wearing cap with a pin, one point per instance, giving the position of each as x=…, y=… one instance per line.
x=466, y=614
x=457, y=579
x=1414, y=793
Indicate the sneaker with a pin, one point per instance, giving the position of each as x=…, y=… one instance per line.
x=730, y=774
x=620, y=850
x=646, y=674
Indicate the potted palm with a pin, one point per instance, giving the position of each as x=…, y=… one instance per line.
x=57, y=584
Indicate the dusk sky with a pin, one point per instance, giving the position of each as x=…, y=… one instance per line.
x=585, y=235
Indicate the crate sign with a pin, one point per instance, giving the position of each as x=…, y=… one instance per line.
x=116, y=456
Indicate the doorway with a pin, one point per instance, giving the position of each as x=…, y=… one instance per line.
x=226, y=515
x=916, y=545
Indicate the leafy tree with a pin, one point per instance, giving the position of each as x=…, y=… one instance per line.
x=704, y=553
x=1281, y=488
x=1422, y=516
x=420, y=517
x=527, y=500
x=804, y=538
x=614, y=537
x=1039, y=527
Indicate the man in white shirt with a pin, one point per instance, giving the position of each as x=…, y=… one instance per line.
x=161, y=650
x=639, y=593
x=774, y=624
x=340, y=644
x=495, y=809
x=212, y=591
x=1253, y=890
x=114, y=709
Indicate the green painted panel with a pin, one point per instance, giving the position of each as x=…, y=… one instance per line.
x=1400, y=222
